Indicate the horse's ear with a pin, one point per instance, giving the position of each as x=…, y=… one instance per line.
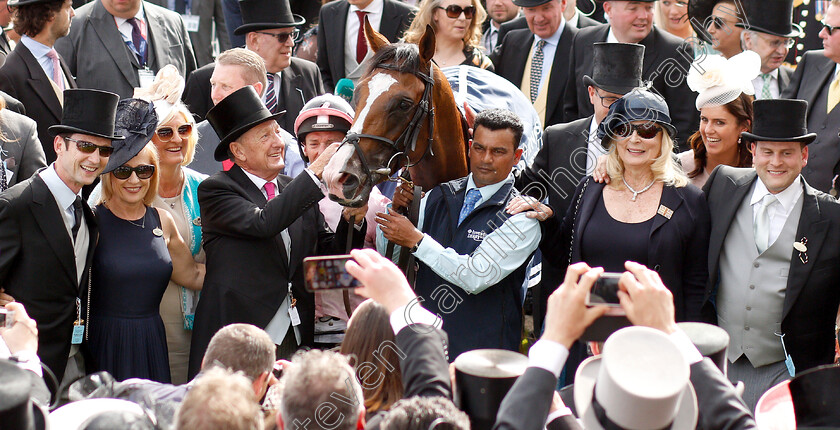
x=374, y=39
x=427, y=44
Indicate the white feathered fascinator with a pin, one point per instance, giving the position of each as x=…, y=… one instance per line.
x=718, y=81
x=164, y=93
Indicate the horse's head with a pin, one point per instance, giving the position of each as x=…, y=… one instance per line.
x=393, y=104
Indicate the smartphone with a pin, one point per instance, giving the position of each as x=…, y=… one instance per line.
x=7, y=318
x=328, y=273
x=605, y=290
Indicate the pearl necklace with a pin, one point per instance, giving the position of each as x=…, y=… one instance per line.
x=636, y=193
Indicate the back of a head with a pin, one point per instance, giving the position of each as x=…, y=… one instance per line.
x=220, y=399
x=241, y=348
x=425, y=413
x=118, y=420
x=320, y=382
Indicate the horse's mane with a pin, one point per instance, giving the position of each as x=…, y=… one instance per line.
x=404, y=56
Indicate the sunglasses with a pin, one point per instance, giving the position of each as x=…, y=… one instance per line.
x=648, y=130
x=829, y=28
x=88, y=147
x=282, y=37
x=144, y=171
x=454, y=11
x=719, y=23
x=166, y=133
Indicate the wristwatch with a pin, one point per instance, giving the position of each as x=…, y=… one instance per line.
x=414, y=248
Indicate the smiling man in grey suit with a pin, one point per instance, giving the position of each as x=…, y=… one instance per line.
x=118, y=45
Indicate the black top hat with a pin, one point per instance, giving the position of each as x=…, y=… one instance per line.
x=699, y=11
x=771, y=17
x=780, y=120
x=90, y=112
x=711, y=340
x=16, y=3
x=236, y=114
x=17, y=410
x=815, y=393
x=482, y=379
x=136, y=121
x=618, y=67
x=266, y=14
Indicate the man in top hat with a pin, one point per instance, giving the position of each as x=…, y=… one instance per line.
x=773, y=257
x=770, y=33
x=48, y=233
x=258, y=226
x=666, y=58
x=716, y=22
x=540, y=71
x=34, y=73
x=570, y=151
x=119, y=45
x=816, y=80
x=341, y=42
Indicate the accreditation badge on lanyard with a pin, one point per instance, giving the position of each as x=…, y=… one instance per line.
x=78, y=325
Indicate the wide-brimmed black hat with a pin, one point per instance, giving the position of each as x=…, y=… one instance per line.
x=90, y=112
x=711, y=340
x=700, y=10
x=17, y=410
x=482, y=379
x=780, y=120
x=815, y=393
x=136, y=121
x=772, y=17
x=617, y=67
x=236, y=114
x=265, y=15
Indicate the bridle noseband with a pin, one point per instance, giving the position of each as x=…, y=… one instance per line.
x=407, y=140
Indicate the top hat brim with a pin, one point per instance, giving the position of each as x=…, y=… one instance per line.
x=58, y=129
x=221, y=152
x=806, y=139
x=795, y=31
x=16, y=3
x=698, y=12
x=257, y=26
x=529, y=3
x=615, y=89
x=587, y=373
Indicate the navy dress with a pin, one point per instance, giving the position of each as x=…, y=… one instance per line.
x=131, y=269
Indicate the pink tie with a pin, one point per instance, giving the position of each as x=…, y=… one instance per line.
x=269, y=189
x=56, y=77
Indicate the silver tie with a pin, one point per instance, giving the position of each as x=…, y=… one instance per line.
x=761, y=227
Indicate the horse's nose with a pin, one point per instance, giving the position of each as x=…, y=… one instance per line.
x=349, y=184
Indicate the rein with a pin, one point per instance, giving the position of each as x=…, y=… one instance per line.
x=407, y=140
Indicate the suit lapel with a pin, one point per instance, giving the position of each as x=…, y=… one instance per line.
x=106, y=29
x=784, y=79
x=820, y=78
x=292, y=98
x=93, y=231
x=39, y=81
x=154, y=25
x=46, y=213
x=521, y=48
x=557, y=77
x=71, y=80
x=335, y=44
x=650, y=52
x=295, y=235
x=672, y=200
x=813, y=228
x=733, y=195
x=389, y=26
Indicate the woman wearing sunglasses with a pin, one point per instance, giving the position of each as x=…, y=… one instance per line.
x=457, y=26
x=138, y=252
x=648, y=213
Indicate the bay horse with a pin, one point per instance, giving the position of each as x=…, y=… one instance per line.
x=406, y=116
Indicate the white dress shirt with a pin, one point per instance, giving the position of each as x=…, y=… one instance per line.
x=594, y=148
x=758, y=84
x=351, y=31
x=549, y=48
x=779, y=210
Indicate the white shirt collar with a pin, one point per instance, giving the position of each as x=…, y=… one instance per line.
x=486, y=191
x=62, y=193
x=611, y=37
x=139, y=15
x=374, y=7
x=554, y=39
x=573, y=21
x=787, y=197
x=259, y=182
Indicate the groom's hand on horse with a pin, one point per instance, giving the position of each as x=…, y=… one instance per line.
x=403, y=196
x=317, y=166
x=398, y=229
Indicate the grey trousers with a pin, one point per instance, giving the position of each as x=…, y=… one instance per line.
x=756, y=380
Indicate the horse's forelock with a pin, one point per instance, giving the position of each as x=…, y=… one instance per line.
x=405, y=56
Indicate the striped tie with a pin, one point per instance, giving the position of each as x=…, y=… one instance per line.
x=536, y=69
x=270, y=94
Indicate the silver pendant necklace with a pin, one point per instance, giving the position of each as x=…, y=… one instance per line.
x=636, y=193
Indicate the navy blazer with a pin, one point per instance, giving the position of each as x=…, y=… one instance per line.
x=677, y=247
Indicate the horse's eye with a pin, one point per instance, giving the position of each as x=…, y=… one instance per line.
x=405, y=105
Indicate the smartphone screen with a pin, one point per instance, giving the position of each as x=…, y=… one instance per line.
x=328, y=273
x=605, y=290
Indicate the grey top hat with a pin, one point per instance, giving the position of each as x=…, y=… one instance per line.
x=617, y=67
x=711, y=340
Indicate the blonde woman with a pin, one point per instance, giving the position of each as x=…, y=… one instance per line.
x=457, y=26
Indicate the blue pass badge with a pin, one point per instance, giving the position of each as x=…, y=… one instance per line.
x=789, y=363
x=78, y=334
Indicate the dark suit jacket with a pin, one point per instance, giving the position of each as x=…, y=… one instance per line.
x=666, y=58
x=24, y=79
x=785, y=74
x=98, y=57
x=300, y=82
x=812, y=76
x=555, y=173
x=22, y=151
x=813, y=293
x=5, y=48
x=677, y=247
x=38, y=266
x=719, y=405
x=396, y=17
x=511, y=55
x=247, y=268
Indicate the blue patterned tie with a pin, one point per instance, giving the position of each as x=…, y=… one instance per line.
x=270, y=95
x=536, y=69
x=470, y=200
